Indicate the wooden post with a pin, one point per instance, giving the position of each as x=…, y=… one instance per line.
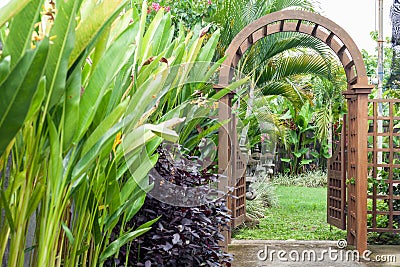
x=362, y=168
x=224, y=155
x=358, y=165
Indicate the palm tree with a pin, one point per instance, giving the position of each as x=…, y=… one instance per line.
x=329, y=104
x=276, y=61
x=234, y=15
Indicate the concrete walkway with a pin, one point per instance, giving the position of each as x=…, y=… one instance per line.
x=254, y=253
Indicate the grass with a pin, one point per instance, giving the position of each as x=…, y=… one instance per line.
x=301, y=215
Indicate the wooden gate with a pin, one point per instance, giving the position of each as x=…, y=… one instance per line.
x=336, y=201
x=238, y=181
x=383, y=176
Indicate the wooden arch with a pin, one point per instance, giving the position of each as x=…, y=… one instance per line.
x=302, y=22
x=354, y=165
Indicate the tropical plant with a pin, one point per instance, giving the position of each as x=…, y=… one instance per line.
x=276, y=63
x=266, y=197
x=192, y=95
x=329, y=105
x=233, y=15
x=76, y=145
x=299, y=126
x=184, y=235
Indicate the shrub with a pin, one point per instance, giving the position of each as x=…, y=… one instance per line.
x=310, y=179
x=266, y=197
x=183, y=236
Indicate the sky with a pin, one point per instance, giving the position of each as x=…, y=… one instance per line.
x=357, y=17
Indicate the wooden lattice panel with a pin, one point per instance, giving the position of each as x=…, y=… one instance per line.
x=336, y=201
x=239, y=203
x=352, y=171
x=384, y=166
x=239, y=200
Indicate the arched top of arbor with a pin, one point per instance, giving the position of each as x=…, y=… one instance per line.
x=303, y=22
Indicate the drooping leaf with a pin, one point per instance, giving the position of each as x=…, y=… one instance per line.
x=63, y=32
x=37, y=99
x=55, y=164
x=104, y=126
x=35, y=198
x=19, y=39
x=18, y=90
x=106, y=70
x=11, y=10
x=71, y=105
x=122, y=240
x=95, y=17
x=4, y=68
x=68, y=233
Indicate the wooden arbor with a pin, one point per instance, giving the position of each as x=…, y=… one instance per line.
x=230, y=163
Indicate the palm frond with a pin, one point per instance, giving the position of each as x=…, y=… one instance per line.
x=323, y=120
x=285, y=89
x=233, y=15
x=276, y=5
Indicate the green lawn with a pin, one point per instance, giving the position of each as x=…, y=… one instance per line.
x=301, y=215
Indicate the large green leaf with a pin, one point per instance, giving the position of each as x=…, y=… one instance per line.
x=122, y=240
x=143, y=97
x=136, y=138
x=111, y=63
x=11, y=10
x=63, y=32
x=87, y=159
x=37, y=99
x=21, y=27
x=137, y=175
x=55, y=164
x=4, y=68
x=71, y=105
x=95, y=17
x=119, y=25
x=17, y=91
x=151, y=40
x=104, y=126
